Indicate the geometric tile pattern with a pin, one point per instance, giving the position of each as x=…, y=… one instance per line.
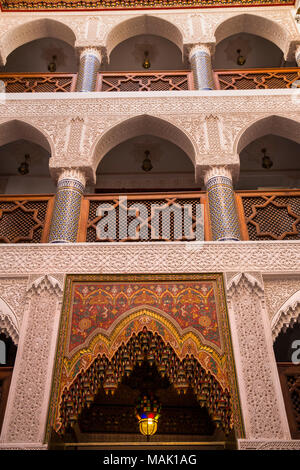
x=65, y=218
x=202, y=70
x=87, y=74
x=222, y=209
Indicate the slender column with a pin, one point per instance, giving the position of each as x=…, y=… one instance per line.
x=200, y=59
x=90, y=61
x=297, y=55
x=64, y=225
x=222, y=207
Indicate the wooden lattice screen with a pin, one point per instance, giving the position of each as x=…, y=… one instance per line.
x=150, y=222
x=289, y=375
x=145, y=81
x=270, y=215
x=33, y=83
x=256, y=78
x=26, y=219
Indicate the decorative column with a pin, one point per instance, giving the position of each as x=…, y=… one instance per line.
x=65, y=219
x=200, y=59
x=222, y=207
x=90, y=61
x=297, y=55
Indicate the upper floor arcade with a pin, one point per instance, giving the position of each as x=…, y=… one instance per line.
x=238, y=49
x=95, y=158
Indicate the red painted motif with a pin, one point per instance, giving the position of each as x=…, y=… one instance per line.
x=189, y=304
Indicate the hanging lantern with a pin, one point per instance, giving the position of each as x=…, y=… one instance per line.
x=146, y=64
x=147, y=413
x=52, y=64
x=111, y=384
x=181, y=384
x=240, y=59
x=24, y=167
x=266, y=160
x=147, y=164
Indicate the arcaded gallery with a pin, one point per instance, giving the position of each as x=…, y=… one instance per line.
x=150, y=224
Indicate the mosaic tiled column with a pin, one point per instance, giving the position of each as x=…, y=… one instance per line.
x=297, y=55
x=222, y=208
x=65, y=219
x=90, y=61
x=200, y=59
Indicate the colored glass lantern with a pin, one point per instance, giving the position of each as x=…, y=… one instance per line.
x=148, y=413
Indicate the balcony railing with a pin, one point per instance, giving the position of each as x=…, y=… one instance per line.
x=151, y=81
x=38, y=82
x=25, y=219
x=260, y=79
x=269, y=215
x=143, y=217
x=145, y=81
x=263, y=215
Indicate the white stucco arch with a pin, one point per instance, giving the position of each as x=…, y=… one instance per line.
x=143, y=24
x=15, y=129
x=9, y=324
x=257, y=25
x=286, y=314
x=274, y=124
x=32, y=30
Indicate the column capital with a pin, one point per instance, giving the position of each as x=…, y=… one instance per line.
x=75, y=174
x=206, y=48
x=90, y=50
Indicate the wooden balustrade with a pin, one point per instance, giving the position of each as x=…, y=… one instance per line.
x=38, y=82
x=151, y=81
x=25, y=219
x=145, y=81
x=138, y=217
x=260, y=79
x=289, y=375
x=263, y=215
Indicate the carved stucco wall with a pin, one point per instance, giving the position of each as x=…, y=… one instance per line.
x=104, y=29
x=27, y=406
x=73, y=125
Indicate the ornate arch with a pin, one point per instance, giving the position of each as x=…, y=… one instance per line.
x=277, y=125
x=103, y=313
x=32, y=30
x=254, y=24
x=143, y=24
x=139, y=125
x=287, y=314
x=145, y=345
x=9, y=324
x=15, y=129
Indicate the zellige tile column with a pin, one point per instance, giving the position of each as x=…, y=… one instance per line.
x=65, y=219
x=200, y=59
x=90, y=61
x=222, y=208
